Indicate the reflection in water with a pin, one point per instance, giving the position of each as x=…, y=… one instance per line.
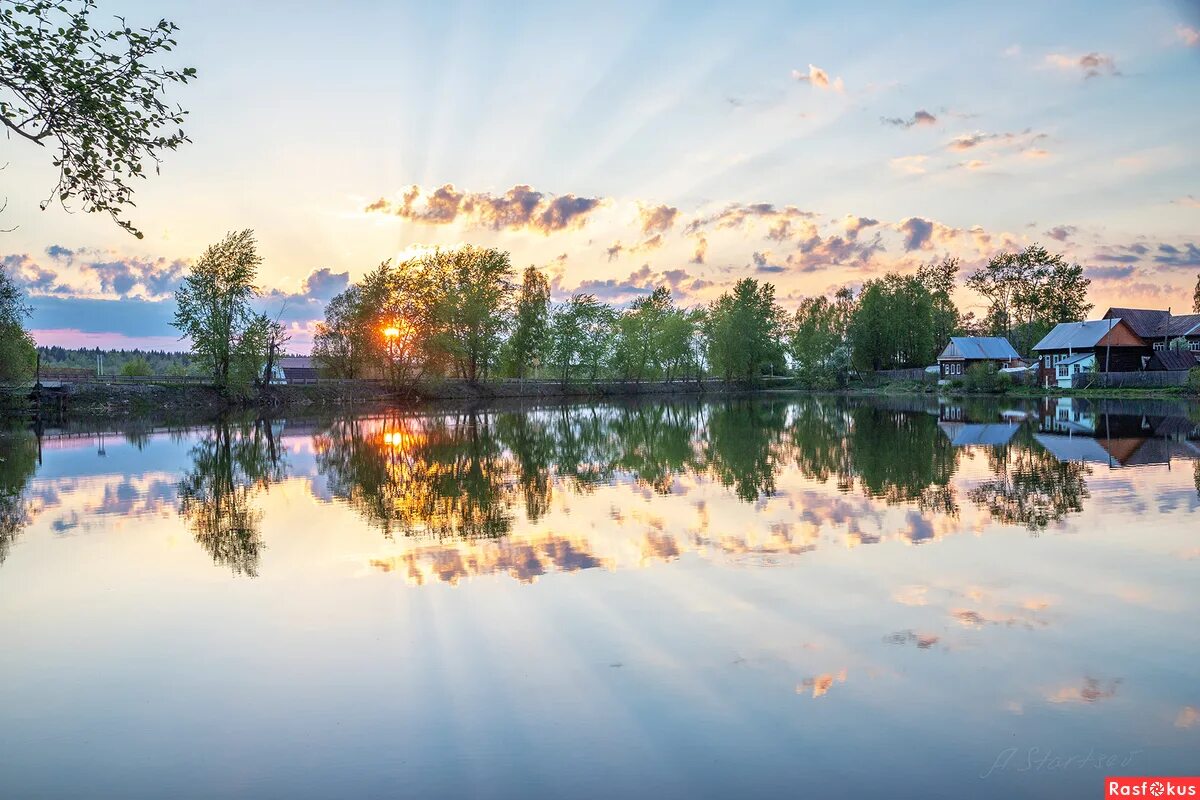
x=18, y=462
x=1031, y=487
x=443, y=479
x=230, y=466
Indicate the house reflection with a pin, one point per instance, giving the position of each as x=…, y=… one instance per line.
x=479, y=491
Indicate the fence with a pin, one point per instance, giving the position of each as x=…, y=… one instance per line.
x=1119, y=380
x=914, y=374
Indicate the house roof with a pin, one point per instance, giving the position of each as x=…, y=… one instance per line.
x=979, y=348
x=1070, y=335
x=1181, y=325
x=1144, y=322
x=1155, y=323
x=296, y=362
x=1172, y=360
x=1077, y=358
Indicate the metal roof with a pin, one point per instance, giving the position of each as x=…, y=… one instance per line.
x=1077, y=358
x=1070, y=335
x=979, y=348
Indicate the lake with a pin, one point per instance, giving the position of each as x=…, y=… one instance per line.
x=780, y=596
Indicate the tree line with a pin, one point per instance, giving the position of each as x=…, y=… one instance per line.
x=464, y=314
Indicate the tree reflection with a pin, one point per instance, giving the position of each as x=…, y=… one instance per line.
x=900, y=456
x=231, y=465
x=438, y=476
x=1031, y=487
x=743, y=446
x=18, y=463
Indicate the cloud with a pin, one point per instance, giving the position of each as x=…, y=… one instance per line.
x=1184, y=256
x=700, y=251
x=917, y=232
x=1189, y=201
x=657, y=219
x=1112, y=273
x=740, y=215
x=760, y=262
x=919, y=117
x=1093, y=65
x=96, y=273
x=324, y=283
x=638, y=283
x=1061, y=233
x=1188, y=35
x=520, y=208
x=617, y=248
x=854, y=224
x=819, y=78
x=911, y=165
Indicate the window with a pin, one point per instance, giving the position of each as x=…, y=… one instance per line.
x=1194, y=345
x=1046, y=361
x=1160, y=345
x=1063, y=370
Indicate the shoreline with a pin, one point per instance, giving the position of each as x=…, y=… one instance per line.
x=191, y=402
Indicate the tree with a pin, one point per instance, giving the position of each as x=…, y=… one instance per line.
x=677, y=350
x=639, y=332
x=817, y=341
x=274, y=336
x=340, y=348
x=137, y=367
x=1029, y=292
x=213, y=311
x=531, y=324
x=97, y=94
x=472, y=308
x=892, y=326
x=744, y=329
x=939, y=278
x=580, y=336
x=18, y=353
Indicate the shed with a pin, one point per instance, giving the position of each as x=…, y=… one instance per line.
x=1171, y=361
x=298, y=369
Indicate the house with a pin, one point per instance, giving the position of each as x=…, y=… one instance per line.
x=1172, y=361
x=295, y=369
x=1112, y=342
x=1069, y=367
x=965, y=351
x=1158, y=328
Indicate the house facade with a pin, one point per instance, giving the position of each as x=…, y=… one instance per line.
x=1112, y=343
x=964, y=351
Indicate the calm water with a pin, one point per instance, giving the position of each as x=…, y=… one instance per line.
x=790, y=597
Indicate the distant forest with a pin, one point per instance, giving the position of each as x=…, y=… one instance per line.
x=116, y=362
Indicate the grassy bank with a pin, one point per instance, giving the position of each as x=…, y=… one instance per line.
x=175, y=400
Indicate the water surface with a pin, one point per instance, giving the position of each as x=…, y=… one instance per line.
x=774, y=597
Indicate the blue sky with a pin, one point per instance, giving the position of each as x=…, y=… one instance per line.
x=685, y=143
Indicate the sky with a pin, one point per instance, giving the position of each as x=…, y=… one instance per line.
x=620, y=146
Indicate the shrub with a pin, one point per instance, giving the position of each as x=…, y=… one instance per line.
x=987, y=378
x=136, y=367
x=1193, y=381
